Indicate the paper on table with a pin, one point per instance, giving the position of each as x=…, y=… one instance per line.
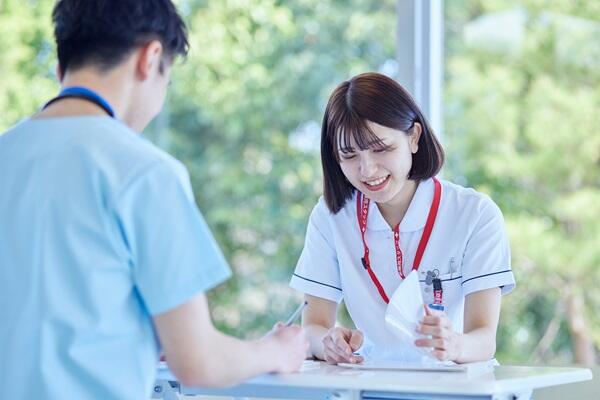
x=475, y=368
x=404, y=312
x=308, y=365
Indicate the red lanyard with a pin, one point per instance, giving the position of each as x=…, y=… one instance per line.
x=362, y=213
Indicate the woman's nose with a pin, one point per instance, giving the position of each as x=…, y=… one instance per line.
x=367, y=165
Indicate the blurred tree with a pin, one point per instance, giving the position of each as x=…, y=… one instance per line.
x=245, y=116
x=522, y=123
x=28, y=58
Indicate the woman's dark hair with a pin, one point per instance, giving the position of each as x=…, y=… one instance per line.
x=103, y=32
x=376, y=98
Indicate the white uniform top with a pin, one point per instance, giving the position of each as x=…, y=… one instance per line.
x=468, y=246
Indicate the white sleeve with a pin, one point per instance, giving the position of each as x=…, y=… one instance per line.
x=317, y=272
x=486, y=260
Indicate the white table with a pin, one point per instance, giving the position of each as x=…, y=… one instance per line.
x=322, y=381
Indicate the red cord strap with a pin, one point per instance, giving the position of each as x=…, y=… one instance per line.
x=362, y=213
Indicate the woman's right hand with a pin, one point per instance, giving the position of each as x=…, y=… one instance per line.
x=340, y=344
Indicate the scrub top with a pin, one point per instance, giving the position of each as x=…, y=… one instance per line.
x=468, y=250
x=99, y=232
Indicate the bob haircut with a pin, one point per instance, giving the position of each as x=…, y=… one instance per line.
x=371, y=97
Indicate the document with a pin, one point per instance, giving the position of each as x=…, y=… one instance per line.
x=403, y=314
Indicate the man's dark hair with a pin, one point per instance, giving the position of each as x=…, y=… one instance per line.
x=371, y=97
x=103, y=32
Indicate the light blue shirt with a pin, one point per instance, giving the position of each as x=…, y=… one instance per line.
x=99, y=231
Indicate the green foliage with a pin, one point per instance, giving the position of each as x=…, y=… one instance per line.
x=259, y=73
x=26, y=69
x=523, y=125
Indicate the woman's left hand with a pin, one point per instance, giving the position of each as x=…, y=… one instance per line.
x=444, y=341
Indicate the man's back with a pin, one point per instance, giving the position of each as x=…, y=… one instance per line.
x=86, y=213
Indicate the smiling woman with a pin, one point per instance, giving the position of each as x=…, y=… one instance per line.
x=366, y=113
x=381, y=171
x=384, y=215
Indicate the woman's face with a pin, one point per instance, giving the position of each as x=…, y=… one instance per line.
x=381, y=174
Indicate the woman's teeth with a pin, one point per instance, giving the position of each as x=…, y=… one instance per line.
x=377, y=181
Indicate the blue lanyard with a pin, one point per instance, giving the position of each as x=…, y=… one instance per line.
x=80, y=92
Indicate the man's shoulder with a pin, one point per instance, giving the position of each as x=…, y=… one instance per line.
x=100, y=144
x=113, y=135
x=131, y=153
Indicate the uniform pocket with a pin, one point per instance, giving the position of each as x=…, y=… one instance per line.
x=452, y=296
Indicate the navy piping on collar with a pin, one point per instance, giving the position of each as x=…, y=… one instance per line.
x=481, y=276
x=320, y=283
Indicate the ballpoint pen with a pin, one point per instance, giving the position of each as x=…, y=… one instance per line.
x=296, y=313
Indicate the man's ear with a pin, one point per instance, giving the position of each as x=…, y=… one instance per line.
x=414, y=137
x=149, y=59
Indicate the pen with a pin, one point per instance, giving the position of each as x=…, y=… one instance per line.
x=296, y=313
